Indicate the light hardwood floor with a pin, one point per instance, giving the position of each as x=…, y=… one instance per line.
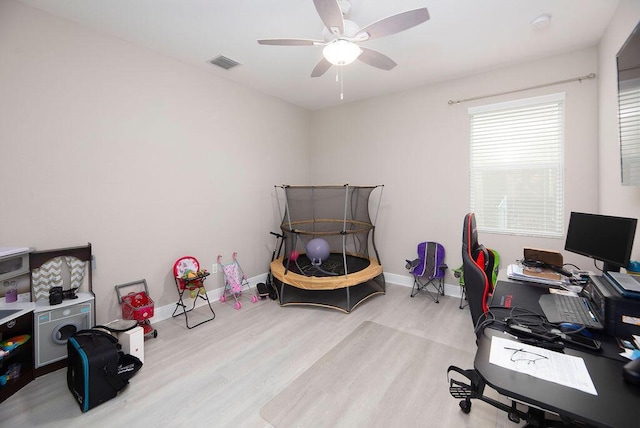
x=221, y=373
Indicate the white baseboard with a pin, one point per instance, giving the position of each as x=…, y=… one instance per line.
x=452, y=290
x=165, y=312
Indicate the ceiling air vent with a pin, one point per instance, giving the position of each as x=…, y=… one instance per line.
x=224, y=62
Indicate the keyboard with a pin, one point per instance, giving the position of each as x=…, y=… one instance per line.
x=574, y=310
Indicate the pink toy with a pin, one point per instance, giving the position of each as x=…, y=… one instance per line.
x=234, y=281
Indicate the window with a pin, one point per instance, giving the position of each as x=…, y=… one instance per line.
x=516, y=171
x=629, y=116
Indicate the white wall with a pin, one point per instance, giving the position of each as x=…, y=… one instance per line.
x=418, y=147
x=615, y=199
x=146, y=158
x=169, y=160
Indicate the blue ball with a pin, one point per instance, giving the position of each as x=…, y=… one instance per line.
x=318, y=250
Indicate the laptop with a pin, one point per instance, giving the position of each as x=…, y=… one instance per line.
x=579, y=310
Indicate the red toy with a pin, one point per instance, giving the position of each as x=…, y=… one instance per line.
x=138, y=306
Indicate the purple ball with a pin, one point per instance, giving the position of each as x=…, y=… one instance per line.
x=318, y=250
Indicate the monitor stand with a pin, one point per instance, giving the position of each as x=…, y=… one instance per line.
x=608, y=267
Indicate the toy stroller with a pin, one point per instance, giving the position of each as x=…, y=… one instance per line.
x=234, y=281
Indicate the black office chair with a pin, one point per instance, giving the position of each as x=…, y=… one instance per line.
x=478, y=279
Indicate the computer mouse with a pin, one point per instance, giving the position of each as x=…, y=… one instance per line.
x=631, y=371
x=568, y=327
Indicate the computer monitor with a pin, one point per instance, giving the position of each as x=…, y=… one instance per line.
x=605, y=238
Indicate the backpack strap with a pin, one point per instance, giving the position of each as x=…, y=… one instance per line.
x=94, y=332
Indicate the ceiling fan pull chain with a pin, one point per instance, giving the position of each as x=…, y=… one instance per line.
x=341, y=84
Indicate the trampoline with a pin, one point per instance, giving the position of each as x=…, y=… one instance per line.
x=326, y=261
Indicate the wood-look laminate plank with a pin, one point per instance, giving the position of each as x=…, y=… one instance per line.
x=220, y=374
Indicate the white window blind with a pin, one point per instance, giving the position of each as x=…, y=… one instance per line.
x=516, y=171
x=629, y=117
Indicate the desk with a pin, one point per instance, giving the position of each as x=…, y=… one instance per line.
x=616, y=405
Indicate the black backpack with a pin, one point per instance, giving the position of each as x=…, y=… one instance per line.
x=97, y=369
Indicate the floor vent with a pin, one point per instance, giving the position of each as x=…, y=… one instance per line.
x=224, y=62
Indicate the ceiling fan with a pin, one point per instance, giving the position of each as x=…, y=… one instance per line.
x=342, y=37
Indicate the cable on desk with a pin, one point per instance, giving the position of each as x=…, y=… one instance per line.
x=487, y=319
x=541, y=323
x=577, y=330
x=524, y=317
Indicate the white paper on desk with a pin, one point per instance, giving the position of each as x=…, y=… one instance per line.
x=552, y=366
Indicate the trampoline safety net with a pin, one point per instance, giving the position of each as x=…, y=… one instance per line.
x=328, y=231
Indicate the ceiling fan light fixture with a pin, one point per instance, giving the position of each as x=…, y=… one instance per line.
x=341, y=52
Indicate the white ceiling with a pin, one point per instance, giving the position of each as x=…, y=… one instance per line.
x=461, y=38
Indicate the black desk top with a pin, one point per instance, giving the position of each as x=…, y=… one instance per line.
x=617, y=402
x=524, y=296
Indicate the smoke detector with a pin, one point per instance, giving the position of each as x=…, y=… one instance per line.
x=541, y=21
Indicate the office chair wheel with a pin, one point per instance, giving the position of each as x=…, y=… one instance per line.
x=513, y=417
x=465, y=405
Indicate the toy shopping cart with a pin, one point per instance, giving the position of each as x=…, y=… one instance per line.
x=137, y=305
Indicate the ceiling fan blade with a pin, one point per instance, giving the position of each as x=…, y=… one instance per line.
x=290, y=42
x=321, y=68
x=376, y=59
x=331, y=15
x=395, y=23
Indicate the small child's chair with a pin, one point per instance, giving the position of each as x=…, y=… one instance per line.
x=428, y=269
x=491, y=265
x=189, y=276
x=459, y=273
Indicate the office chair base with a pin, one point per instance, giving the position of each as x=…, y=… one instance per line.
x=474, y=389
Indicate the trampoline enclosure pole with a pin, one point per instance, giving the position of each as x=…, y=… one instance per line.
x=288, y=214
x=344, y=231
x=375, y=218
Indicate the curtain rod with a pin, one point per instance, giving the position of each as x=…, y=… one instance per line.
x=575, y=79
